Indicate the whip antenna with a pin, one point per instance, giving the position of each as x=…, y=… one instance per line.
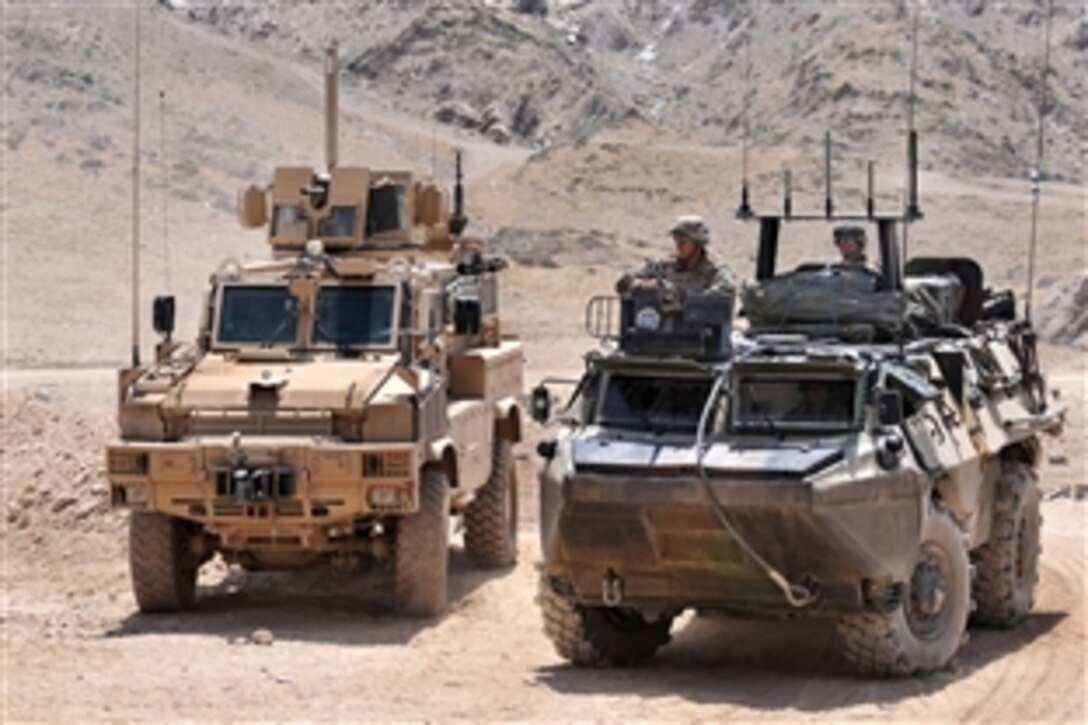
x=136, y=192
x=1036, y=172
x=911, y=212
x=332, y=105
x=165, y=191
x=745, y=207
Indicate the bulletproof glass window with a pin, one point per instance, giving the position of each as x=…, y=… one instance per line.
x=289, y=221
x=354, y=316
x=258, y=314
x=385, y=208
x=340, y=222
x=772, y=405
x=653, y=403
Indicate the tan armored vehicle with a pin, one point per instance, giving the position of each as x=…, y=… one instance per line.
x=343, y=399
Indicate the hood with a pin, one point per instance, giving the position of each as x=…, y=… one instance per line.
x=219, y=383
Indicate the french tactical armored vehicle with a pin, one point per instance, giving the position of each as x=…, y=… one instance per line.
x=866, y=452
x=342, y=401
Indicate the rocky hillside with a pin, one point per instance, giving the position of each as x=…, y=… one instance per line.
x=552, y=71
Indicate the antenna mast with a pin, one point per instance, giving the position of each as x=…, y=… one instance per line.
x=911, y=211
x=332, y=105
x=136, y=192
x=1036, y=172
x=165, y=190
x=745, y=206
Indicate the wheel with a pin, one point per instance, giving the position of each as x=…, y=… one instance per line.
x=421, y=559
x=922, y=633
x=1007, y=565
x=162, y=564
x=491, y=520
x=598, y=636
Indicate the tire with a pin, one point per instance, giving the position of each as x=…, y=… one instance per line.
x=161, y=562
x=1007, y=565
x=421, y=559
x=599, y=636
x=491, y=520
x=910, y=640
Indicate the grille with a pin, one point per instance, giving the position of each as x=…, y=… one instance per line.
x=264, y=483
x=277, y=423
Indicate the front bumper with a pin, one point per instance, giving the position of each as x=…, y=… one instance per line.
x=247, y=489
x=662, y=538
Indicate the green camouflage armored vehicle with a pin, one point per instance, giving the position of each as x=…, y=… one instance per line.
x=342, y=401
x=866, y=452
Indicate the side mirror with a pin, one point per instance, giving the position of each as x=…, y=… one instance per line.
x=889, y=407
x=252, y=207
x=467, y=315
x=162, y=315
x=540, y=404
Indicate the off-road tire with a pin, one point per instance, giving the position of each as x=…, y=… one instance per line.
x=491, y=520
x=599, y=636
x=891, y=644
x=421, y=558
x=1007, y=565
x=161, y=562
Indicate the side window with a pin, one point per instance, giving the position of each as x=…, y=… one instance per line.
x=289, y=221
x=385, y=208
x=339, y=223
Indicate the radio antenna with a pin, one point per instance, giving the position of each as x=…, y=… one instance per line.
x=458, y=220
x=136, y=190
x=1037, y=171
x=745, y=209
x=911, y=212
x=165, y=191
x=332, y=105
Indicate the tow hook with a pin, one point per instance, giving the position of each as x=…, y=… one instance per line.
x=611, y=589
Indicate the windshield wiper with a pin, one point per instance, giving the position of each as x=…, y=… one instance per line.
x=290, y=315
x=764, y=417
x=329, y=335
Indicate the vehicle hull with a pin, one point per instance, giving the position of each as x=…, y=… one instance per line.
x=663, y=539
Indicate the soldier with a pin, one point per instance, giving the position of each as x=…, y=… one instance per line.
x=690, y=269
x=851, y=243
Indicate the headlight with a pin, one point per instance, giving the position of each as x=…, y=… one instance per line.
x=383, y=497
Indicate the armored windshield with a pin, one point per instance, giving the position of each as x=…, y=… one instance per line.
x=354, y=316
x=773, y=405
x=653, y=403
x=258, y=315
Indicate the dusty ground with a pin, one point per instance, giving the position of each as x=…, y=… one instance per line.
x=73, y=646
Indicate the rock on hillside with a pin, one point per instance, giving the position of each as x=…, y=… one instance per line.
x=558, y=70
x=501, y=74
x=1063, y=319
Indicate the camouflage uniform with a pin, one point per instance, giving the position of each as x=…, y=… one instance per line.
x=705, y=276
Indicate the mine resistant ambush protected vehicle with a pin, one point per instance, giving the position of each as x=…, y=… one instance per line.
x=866, y=452
x=342, y=400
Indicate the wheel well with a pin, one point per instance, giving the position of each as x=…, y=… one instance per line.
x=1026, y=451
x=509, y=426
x=448, y=463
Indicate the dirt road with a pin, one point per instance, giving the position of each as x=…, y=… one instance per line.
x=75, y=648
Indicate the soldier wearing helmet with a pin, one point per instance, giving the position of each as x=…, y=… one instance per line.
x=851, y=243
x=690, y=269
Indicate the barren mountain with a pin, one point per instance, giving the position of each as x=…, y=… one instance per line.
x=556, y=71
